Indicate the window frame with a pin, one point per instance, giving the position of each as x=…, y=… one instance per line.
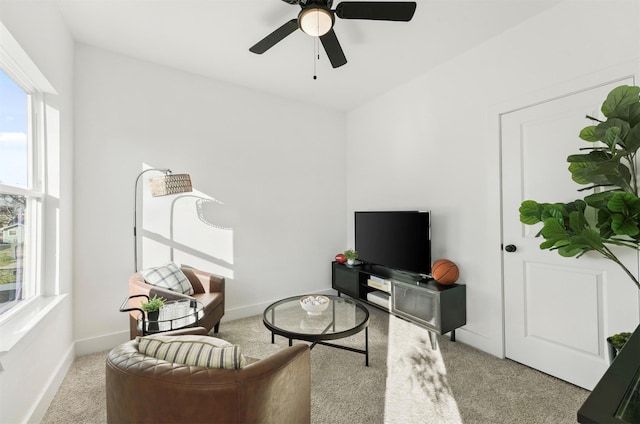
x=34, y=232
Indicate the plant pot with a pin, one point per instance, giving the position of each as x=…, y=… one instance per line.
x=152, y=318
x=613, y=352
x=351, y=261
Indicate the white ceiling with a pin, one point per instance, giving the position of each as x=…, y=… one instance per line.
x=212, y=38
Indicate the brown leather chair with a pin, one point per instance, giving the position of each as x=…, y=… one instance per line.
x=208, y=288
x=143, y=389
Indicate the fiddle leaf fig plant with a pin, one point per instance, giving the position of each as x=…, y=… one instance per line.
x=611, y=216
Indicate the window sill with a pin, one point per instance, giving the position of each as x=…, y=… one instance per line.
x=17, y=326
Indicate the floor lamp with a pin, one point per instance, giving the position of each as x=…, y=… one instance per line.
x=160, y=186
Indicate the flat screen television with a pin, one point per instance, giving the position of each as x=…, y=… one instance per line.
x=395, y=239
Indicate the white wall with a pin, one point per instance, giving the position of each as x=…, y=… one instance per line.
x=433, y=143
x=33, y=369
x=282, y=181
x=278, y=166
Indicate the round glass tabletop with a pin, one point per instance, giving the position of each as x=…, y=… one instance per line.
x=174, y=315
x=342, y=318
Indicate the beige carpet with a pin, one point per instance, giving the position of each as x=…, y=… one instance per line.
x=406, y=383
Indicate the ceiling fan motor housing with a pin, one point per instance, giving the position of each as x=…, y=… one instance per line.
x=303, y=3
x=316, y=20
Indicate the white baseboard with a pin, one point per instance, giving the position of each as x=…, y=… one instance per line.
x=101, y=343
x=481, y=342
x=42, y=405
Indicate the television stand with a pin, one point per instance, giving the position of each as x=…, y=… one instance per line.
x=436, y=307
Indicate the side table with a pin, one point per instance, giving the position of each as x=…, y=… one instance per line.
x=174, y=315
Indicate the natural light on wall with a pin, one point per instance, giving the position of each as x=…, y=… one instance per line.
x=417, y=389
x=188, y=229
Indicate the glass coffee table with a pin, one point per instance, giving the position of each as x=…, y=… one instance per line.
x=342, y=318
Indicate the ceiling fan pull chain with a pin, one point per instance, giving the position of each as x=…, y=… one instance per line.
x=316, y=53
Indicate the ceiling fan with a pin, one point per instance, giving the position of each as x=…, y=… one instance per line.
x=317, y=18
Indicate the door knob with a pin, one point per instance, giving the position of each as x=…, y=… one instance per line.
x=510, y=248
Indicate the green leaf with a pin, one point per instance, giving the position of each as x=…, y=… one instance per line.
x=530, y=212
x=596, y=156
x=589, y=133
x=580, y=205
x=602, y=174
x=629, y=113
x=606, y=133
x=604, y=222
x=599, y=200
x=581, y=243
x=553, y=229
x=632, y=141
x=612, y=138
x=620, y=97
x=626, y=209
x=592, y=239
x=557, y=212
x=569, y=251
x=624, y=225
x=585, y=168
x=624, y=203
x=633, y=117
x=577, y=221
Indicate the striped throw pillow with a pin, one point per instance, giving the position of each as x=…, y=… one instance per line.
x=169, y=277
x=201, y=351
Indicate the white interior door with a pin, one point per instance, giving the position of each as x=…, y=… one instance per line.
x=558, y=311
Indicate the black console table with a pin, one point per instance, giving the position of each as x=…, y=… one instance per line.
x=438, y=308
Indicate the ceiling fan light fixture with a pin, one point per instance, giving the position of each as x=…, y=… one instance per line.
x=315, y=21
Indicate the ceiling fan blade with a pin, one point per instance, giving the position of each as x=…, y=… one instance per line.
x=333, y=49
x=275, y=37
x=377, y=10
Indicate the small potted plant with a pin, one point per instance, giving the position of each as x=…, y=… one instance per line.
x=152, y=308
x=351, y=256
x=617, y=342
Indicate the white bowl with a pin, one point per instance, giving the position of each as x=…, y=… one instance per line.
x=314, y=305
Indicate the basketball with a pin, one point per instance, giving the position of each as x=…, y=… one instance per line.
x=444, y=271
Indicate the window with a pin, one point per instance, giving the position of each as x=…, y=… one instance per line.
x=20, y=192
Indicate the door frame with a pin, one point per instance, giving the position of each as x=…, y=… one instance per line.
x=630, y=69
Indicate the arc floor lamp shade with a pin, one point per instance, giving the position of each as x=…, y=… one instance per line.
x=170, y=184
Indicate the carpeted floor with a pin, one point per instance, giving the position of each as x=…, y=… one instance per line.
x=406, y=383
